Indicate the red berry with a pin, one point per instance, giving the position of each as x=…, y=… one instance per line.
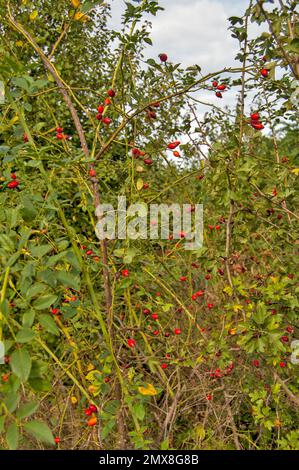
x=218, y=94
x=210, y=306
x=208, y=276
x=256, y=363
x=92, y=421
x=282, y=364
x=254, y=116
x=145, y=186
x=199, y=293
x=158, y=294
x=221, y=87
x=284, y=339
x=183, y=278
x=265, y=72
x=92, y=172
x=290, y=329
x=13, y=176
x=136, y=152
x=25, y=138
x=146, y=311
x=209, y=397
x=101, y=109
x=148, y=161
x=152, y=115
x=106, y=120
x=99, y=116
x=89, y=252
x=107, y=101
x=93, y=408
x=215, y=84
x=111, y=93
x=164, y=366
x=125, y=273
x=177, y=331
x=155, y=316
x=176, y=153
x=59, y=130
x=217, y=227
x=55, y=311
x=57, y=440
x=59, y=136
x=173, y=145
x=257, y=125
x=167, y=334
x=156, y=332
x=88, y=412
x=131, y=342
x=13, y=184
x=163, y=57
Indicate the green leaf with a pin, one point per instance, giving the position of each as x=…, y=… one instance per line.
x=40, y=431
x=20, y=363
x=25, y=335
x=2, y=422
x=36, y=289
x=90, y=5
x=40, y=384
x=45, y=301
x=40, y=251
x=139, y=411
x=165, y=445
x=12, y=436
x=21, y=82
x=11, y=402
x=69, y=280
x=49, y=324
x=7, y=243
x=28, y=318
x=27, y=409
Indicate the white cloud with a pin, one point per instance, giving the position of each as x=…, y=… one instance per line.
x=195, y=32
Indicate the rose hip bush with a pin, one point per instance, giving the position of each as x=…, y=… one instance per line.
x=127, y=344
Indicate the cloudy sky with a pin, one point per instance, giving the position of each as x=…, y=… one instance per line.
x=194, y=32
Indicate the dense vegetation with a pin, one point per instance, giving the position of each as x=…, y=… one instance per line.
x=123, y=344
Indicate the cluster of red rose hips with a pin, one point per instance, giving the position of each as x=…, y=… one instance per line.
x=173, y=146
x=69, y=297
x=197, y=294
x=14, y=183
x=90, y=411
x=60, y=135
x=219, y=88
x=90, y=252
x=255, y=121
x=101, y=108
x=217, y=373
